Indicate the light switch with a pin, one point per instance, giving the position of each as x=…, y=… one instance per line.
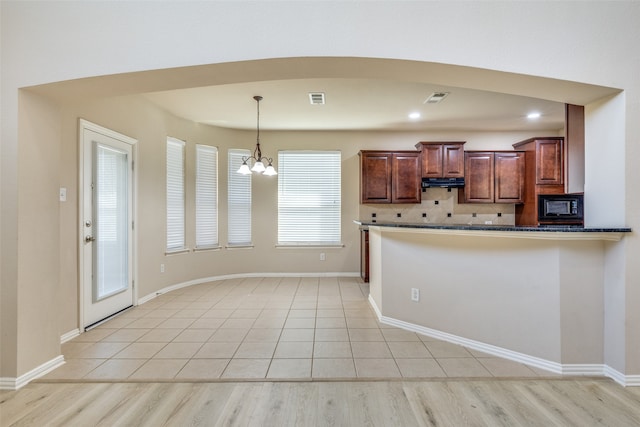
x=63, y=194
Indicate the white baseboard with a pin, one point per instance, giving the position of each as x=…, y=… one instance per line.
x=583, y=369
x=547, y=365
x=632, y=381
x=69, y=336
x=375, y=307
x=504, y=353
x=620, y=378
x=151, y=296
x=22, y=380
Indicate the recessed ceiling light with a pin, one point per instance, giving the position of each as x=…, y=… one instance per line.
x=533, y=116
x=415, y=115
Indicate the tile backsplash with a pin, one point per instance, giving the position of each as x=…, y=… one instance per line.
x=440, y=206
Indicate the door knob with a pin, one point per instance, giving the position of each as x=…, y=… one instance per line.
x=88, y=239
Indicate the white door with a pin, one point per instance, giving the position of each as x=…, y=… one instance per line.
x=106, y=223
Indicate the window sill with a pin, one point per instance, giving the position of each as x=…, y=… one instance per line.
x=207, y=248
x=177, y=251
x=309, y=246
x=239, y=247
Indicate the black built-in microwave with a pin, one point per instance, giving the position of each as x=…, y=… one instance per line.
x=561, y=208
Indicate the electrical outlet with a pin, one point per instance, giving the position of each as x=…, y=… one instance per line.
x=415, y=294
x=322, y=256
x=161, y=268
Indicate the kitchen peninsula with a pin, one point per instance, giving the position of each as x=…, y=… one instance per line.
x=530, y=294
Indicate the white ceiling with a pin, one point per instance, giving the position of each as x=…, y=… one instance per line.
x=357, y=104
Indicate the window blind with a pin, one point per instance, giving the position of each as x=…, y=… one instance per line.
x=111, y=189
x=309, y=197
x=175, y=194
x=111, y=220
x=238, y=200
x=206, y=196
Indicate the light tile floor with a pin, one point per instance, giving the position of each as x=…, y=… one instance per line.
x=273, y=328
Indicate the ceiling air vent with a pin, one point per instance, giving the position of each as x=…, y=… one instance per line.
x=316, y=98
x=436, y=97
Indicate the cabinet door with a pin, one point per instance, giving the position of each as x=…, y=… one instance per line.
x=432, y=161
x=364, y=255
x=375, y=177
x=479, y=172
x=509, y=177
x=452, y=161
x=549, y=162
x=406, y=177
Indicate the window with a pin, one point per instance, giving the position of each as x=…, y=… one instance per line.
x=206, y=196
x=239, y=201
x=175, y=194
x=309, y=197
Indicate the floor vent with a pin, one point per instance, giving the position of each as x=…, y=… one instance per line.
x=316, y=98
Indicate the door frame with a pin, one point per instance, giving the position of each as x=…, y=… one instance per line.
x=87, y=125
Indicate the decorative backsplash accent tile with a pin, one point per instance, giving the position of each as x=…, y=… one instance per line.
x=440, y=206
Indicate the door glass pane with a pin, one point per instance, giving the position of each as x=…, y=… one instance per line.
x=110, y=249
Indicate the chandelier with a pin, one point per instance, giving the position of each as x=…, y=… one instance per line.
x=258, y=159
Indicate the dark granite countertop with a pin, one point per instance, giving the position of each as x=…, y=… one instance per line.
x=498, y=227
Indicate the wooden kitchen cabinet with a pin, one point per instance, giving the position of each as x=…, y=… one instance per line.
x=390, y=177
x=548, y=158
x=509, y=177
x=364, y=255
x=493, y=177
x=544, y=171
x=479, y=177
x=442, y=159
x=549, y=162
x=375, y=177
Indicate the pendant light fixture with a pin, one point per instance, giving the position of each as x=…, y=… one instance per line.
x=258, y=159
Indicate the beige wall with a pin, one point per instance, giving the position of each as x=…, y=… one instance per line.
x=38, y=218
x=542, y=298
x=48, y=42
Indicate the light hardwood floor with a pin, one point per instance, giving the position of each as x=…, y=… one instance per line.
x=498, y=402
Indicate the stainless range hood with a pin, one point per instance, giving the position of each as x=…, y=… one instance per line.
x=442, y=182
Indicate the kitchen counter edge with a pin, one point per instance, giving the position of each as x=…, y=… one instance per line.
x=570, y=232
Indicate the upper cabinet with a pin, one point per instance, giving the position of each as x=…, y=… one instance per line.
x=549, y=162
x=479, y=180
x=375, y=177
x=544, y=174
x=509, y=177
x=548, y=158
x=442, y=159
x=390, y=176
x=493, y=177
x=405, y=177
